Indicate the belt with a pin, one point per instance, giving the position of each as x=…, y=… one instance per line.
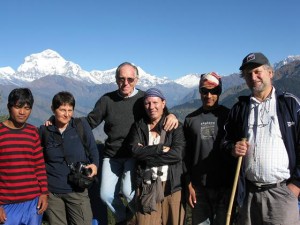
x=255, y=187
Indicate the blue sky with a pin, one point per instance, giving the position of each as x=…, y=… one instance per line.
x=165, y=37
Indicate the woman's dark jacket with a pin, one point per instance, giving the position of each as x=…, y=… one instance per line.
x=153, y=155
x=64, y=147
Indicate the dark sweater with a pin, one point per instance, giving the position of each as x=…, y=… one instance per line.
x=205, y=162
x=119, y=114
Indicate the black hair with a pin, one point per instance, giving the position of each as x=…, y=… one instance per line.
x=124, y=64
x=61, y=98
x=20, y=97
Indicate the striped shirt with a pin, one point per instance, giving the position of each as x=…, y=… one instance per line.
x=22, y=168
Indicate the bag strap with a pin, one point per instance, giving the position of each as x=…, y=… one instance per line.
x=82, y=135
x=80, y=131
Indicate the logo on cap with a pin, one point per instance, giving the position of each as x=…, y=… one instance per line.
x=250, y=57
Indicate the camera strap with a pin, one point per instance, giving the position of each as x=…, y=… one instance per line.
x=58, y=139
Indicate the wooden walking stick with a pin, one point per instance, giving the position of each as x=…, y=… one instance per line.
x=236, y=177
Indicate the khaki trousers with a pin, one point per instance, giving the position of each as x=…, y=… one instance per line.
x=273, y=206
x=169, y=212
x=69, y=209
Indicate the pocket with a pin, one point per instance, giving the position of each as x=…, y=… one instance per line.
x=289, y=192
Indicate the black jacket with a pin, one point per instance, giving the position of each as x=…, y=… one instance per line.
x=153, y=155
x=288, y=112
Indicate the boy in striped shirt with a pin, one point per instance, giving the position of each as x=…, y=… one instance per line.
x=23, y=181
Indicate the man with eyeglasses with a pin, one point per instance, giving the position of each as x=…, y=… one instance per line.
x=120, y=109
x=269, y=181
x=208, y=173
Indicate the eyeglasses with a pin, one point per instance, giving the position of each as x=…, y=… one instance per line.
x=213, y=91
x=123, y=79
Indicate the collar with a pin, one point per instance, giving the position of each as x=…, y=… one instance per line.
x=135, y=91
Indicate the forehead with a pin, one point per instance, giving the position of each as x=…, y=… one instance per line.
x=65, y=106
x=208, y=86
x=153, y=99
x=127, y=71
x=20, y=104
x=253, y=68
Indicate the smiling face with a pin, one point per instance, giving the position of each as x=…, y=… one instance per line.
x=126, y=80
x=19, y=115
x=259, y=80
x=209, y=95
x=63, y=115
x=154, y=107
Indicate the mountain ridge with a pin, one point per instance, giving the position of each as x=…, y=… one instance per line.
x=50, y=62
x=182, y=94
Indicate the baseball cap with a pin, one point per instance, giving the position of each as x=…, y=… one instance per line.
x=255, y=58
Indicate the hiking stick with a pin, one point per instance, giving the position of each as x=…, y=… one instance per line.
x=236, y=177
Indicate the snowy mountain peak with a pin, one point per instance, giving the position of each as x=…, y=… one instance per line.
x=189, y=81
x=49, y=62
x=45, y=63
x=289, y=59
x=6, y=71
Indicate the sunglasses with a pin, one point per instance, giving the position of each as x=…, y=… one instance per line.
x=213, y=91
x=123, y=79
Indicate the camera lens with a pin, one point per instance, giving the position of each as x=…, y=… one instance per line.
x=87, y=171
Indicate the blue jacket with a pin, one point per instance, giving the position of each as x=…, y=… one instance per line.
x=69, y=144
x=288, y=111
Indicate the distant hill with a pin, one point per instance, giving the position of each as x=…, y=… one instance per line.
x=286, y=78
x=47, y=73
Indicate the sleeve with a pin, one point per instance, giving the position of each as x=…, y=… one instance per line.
x=138, y=146
x=176, y=142
x=231, y=132
x=188, y=149
x=295, y=178
x=187, y=161
x=97, y=115
x=39, y=163
x=91, y=143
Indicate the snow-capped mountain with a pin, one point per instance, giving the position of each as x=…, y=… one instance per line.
x=189, y=81
x=7, y=75
x=6, y=71
x=289, y=59
x=49, y=62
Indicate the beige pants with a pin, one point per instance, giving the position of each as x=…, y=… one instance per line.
x=169, y=212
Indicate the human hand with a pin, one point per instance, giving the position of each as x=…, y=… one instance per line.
x=171, y=122
x=192, y=196
x=240, y=148
x=42, y=203
x=294, y=189
x=166, y=148
x=94, y=169
x=47, y=123
x=2, y=215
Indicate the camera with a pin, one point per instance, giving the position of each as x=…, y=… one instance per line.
x=80, y=167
